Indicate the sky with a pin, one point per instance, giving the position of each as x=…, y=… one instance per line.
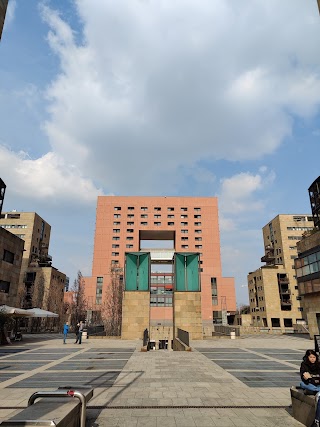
x=160, y=97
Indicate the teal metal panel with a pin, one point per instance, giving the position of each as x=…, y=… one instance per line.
x=131, y=272
x=187, y=272
x=137, y=271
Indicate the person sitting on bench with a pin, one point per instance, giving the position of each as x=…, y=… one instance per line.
x=310, y=379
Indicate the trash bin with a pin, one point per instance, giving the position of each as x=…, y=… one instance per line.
x=233, y=335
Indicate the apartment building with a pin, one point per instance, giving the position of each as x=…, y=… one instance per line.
x=161, y=226
x=40, y=284
x=274, y=298
x=11, y=250
x=308, y=265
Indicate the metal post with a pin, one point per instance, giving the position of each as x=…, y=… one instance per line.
x=60, y=393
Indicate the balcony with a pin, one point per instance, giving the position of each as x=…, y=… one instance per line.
x=283, y=280
x=285, y=292
x=268, y=258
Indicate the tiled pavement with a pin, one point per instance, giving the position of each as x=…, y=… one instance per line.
x=223, y=382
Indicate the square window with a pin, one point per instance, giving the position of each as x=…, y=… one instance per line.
x=157, y=209
x=129, y=246
x=143, y=223
x=115, y=245
x=157, y=216
x=184, y=209
x=144, y=208
x=171, y=209
x=116, y=230
x=116, y=222
x=157, y=223
x=130, y=208
x=184, y=231
x=115, y=238
x=197, y=224
x=198, y=231
x=116, y=216
x=183, y=223
x=144, y=215
x=170, y=223
x=170, y=216
x=117, y=208
x=197, y=209
x=129, y=238
x=115, y=254
x=130, y=223
x=184, y=246
x=130, y=215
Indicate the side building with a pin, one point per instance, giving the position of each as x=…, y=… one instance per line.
x=161, y=226
x=273, y=290
x=40, y=284
x=308, y=265
x=11, y=250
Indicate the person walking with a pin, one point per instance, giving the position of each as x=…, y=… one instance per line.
x=81, y=326
x=65, y=332
x=310, y=379
x=76, y=330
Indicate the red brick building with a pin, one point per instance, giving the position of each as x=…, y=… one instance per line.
x=161, y=226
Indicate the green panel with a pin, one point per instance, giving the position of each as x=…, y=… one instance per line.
x=193, y=273
x=137, y=274
x=144, y=268
x=131, y=272
x=187, y=272
x=180, y=276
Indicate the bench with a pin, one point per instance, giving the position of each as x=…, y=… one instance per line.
x=64, y=411
x=303, y=406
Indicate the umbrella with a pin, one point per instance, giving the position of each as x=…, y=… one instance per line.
x=6, y=310
x=38, y=312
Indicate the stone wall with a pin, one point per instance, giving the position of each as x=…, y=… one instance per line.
x=135, y=314
x=187, y=313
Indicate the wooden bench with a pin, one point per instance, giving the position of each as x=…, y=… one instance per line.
x=303, y=406
x=52, y=411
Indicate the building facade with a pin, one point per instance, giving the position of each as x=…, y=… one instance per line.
x=161, y=226
x=275, y=302
x=3, y=10
x=308, y=276
x=11, y=250
x=40, y=284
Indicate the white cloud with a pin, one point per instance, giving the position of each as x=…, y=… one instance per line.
x=158, y=85
x=46, y=178
x=10, y=14
x=238, y=193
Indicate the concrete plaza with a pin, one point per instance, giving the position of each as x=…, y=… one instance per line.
x=223, y=382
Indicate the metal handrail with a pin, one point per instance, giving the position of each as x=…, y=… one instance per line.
x=65, y=393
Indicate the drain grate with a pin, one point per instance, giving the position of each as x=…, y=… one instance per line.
x=191, y=406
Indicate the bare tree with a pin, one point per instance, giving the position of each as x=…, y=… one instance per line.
x=112, y=304
x=78, y=307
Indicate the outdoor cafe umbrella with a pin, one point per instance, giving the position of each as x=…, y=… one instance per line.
x=38, y=312
x=6, y=310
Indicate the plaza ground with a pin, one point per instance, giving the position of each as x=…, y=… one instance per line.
x=223, y=382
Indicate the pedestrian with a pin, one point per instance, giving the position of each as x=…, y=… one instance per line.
x=310, y=379
x=81, y=326
x=65, y=332
x=77, y=332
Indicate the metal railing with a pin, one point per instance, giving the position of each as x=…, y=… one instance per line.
x=183, y=336
x=63, y=393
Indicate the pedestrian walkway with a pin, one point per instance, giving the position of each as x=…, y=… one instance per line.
x=242, y=382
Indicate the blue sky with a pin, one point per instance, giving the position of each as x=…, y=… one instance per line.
x=172, y=97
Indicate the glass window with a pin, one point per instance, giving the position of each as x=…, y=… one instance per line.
x=130, y=208
x=312, y=258
x=306, y=270
x=171, y=223
x=314, y=268
x=117, y=208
